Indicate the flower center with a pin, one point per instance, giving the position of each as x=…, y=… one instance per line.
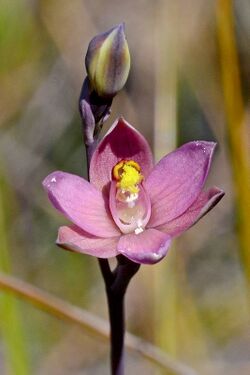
x=128, y=175
x=129, y=202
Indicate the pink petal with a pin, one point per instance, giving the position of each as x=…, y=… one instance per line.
x=128, y=219
x=81, y=203
x=176, y=181
x=75, y=239
x=203, y=204
x=121, y=142
x=147, y=247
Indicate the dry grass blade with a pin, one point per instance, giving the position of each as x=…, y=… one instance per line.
x=92, y=325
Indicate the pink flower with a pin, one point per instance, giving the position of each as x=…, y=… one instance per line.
x=131, y=207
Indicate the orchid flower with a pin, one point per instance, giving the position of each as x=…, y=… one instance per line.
x=130, y=206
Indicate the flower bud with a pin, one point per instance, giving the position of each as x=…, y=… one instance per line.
x=108, y=61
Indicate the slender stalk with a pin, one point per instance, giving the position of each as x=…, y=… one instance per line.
x=116, y=318
x=117, y=329
x=116, y=285
x=89, y=152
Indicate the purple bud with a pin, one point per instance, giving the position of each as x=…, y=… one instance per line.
x=108, y=61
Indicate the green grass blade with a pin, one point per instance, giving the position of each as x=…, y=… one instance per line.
x=10, y=320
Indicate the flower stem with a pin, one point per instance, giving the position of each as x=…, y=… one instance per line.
x=117, y=329
x=116, y=283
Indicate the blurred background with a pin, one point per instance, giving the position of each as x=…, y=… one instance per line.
x=189, y=80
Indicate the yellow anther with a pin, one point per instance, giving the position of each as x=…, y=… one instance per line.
x=128, y=176
x=117, y=170
x=133, y=163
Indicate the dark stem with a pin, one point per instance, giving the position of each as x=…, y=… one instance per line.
x=116, y=285
x=89, y=152
x=117, y=329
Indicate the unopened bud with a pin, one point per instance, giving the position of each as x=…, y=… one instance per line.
x=108, y=61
